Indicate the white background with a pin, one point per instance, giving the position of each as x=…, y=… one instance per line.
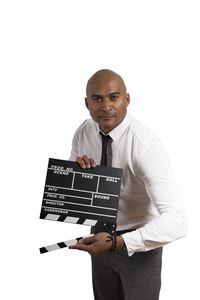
x=48, y=51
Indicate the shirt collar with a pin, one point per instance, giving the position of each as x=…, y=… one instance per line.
x=118, y=131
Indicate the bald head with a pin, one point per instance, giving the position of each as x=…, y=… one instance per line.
x=104, y=75
x=107, y=99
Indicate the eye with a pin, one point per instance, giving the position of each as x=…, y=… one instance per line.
x=114, y=97
x=97, y=99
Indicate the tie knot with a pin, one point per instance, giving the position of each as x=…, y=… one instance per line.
x=104, y=137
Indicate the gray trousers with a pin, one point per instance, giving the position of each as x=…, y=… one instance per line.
x=116, y=276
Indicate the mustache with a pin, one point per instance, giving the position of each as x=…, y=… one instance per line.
x=106, y=115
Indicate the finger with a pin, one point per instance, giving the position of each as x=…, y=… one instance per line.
x=81, y=247
x=92, y=162
x=88, y=240
x=86, y=161
x=81, y=162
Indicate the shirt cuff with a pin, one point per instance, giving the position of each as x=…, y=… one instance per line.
x=133, y=241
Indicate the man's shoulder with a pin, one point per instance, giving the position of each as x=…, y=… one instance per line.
x=143, y=134
x=87, y=125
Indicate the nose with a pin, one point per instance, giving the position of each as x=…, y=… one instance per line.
x=106, y=105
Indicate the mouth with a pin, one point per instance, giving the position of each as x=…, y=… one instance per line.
x=106, y=117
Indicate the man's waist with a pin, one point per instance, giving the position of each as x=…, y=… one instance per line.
x=95, y=229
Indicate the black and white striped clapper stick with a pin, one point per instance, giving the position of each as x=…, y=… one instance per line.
x=61, y=245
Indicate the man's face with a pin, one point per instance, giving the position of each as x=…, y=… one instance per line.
x=107, y=101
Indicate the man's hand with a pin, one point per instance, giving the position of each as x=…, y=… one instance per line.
x=98, y=243
x=86, y=162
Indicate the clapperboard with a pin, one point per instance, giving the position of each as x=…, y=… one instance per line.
x=80, y=196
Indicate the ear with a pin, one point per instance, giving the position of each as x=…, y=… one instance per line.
x=128, y=99
x=86, y=103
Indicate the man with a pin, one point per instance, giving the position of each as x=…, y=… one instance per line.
x=150, y=212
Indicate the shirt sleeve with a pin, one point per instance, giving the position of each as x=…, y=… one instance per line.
x=154, y=169
x=75, y=144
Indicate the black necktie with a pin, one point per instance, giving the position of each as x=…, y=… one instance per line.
x=104, y=139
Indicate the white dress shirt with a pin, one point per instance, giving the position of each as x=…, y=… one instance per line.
x=150, y=200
